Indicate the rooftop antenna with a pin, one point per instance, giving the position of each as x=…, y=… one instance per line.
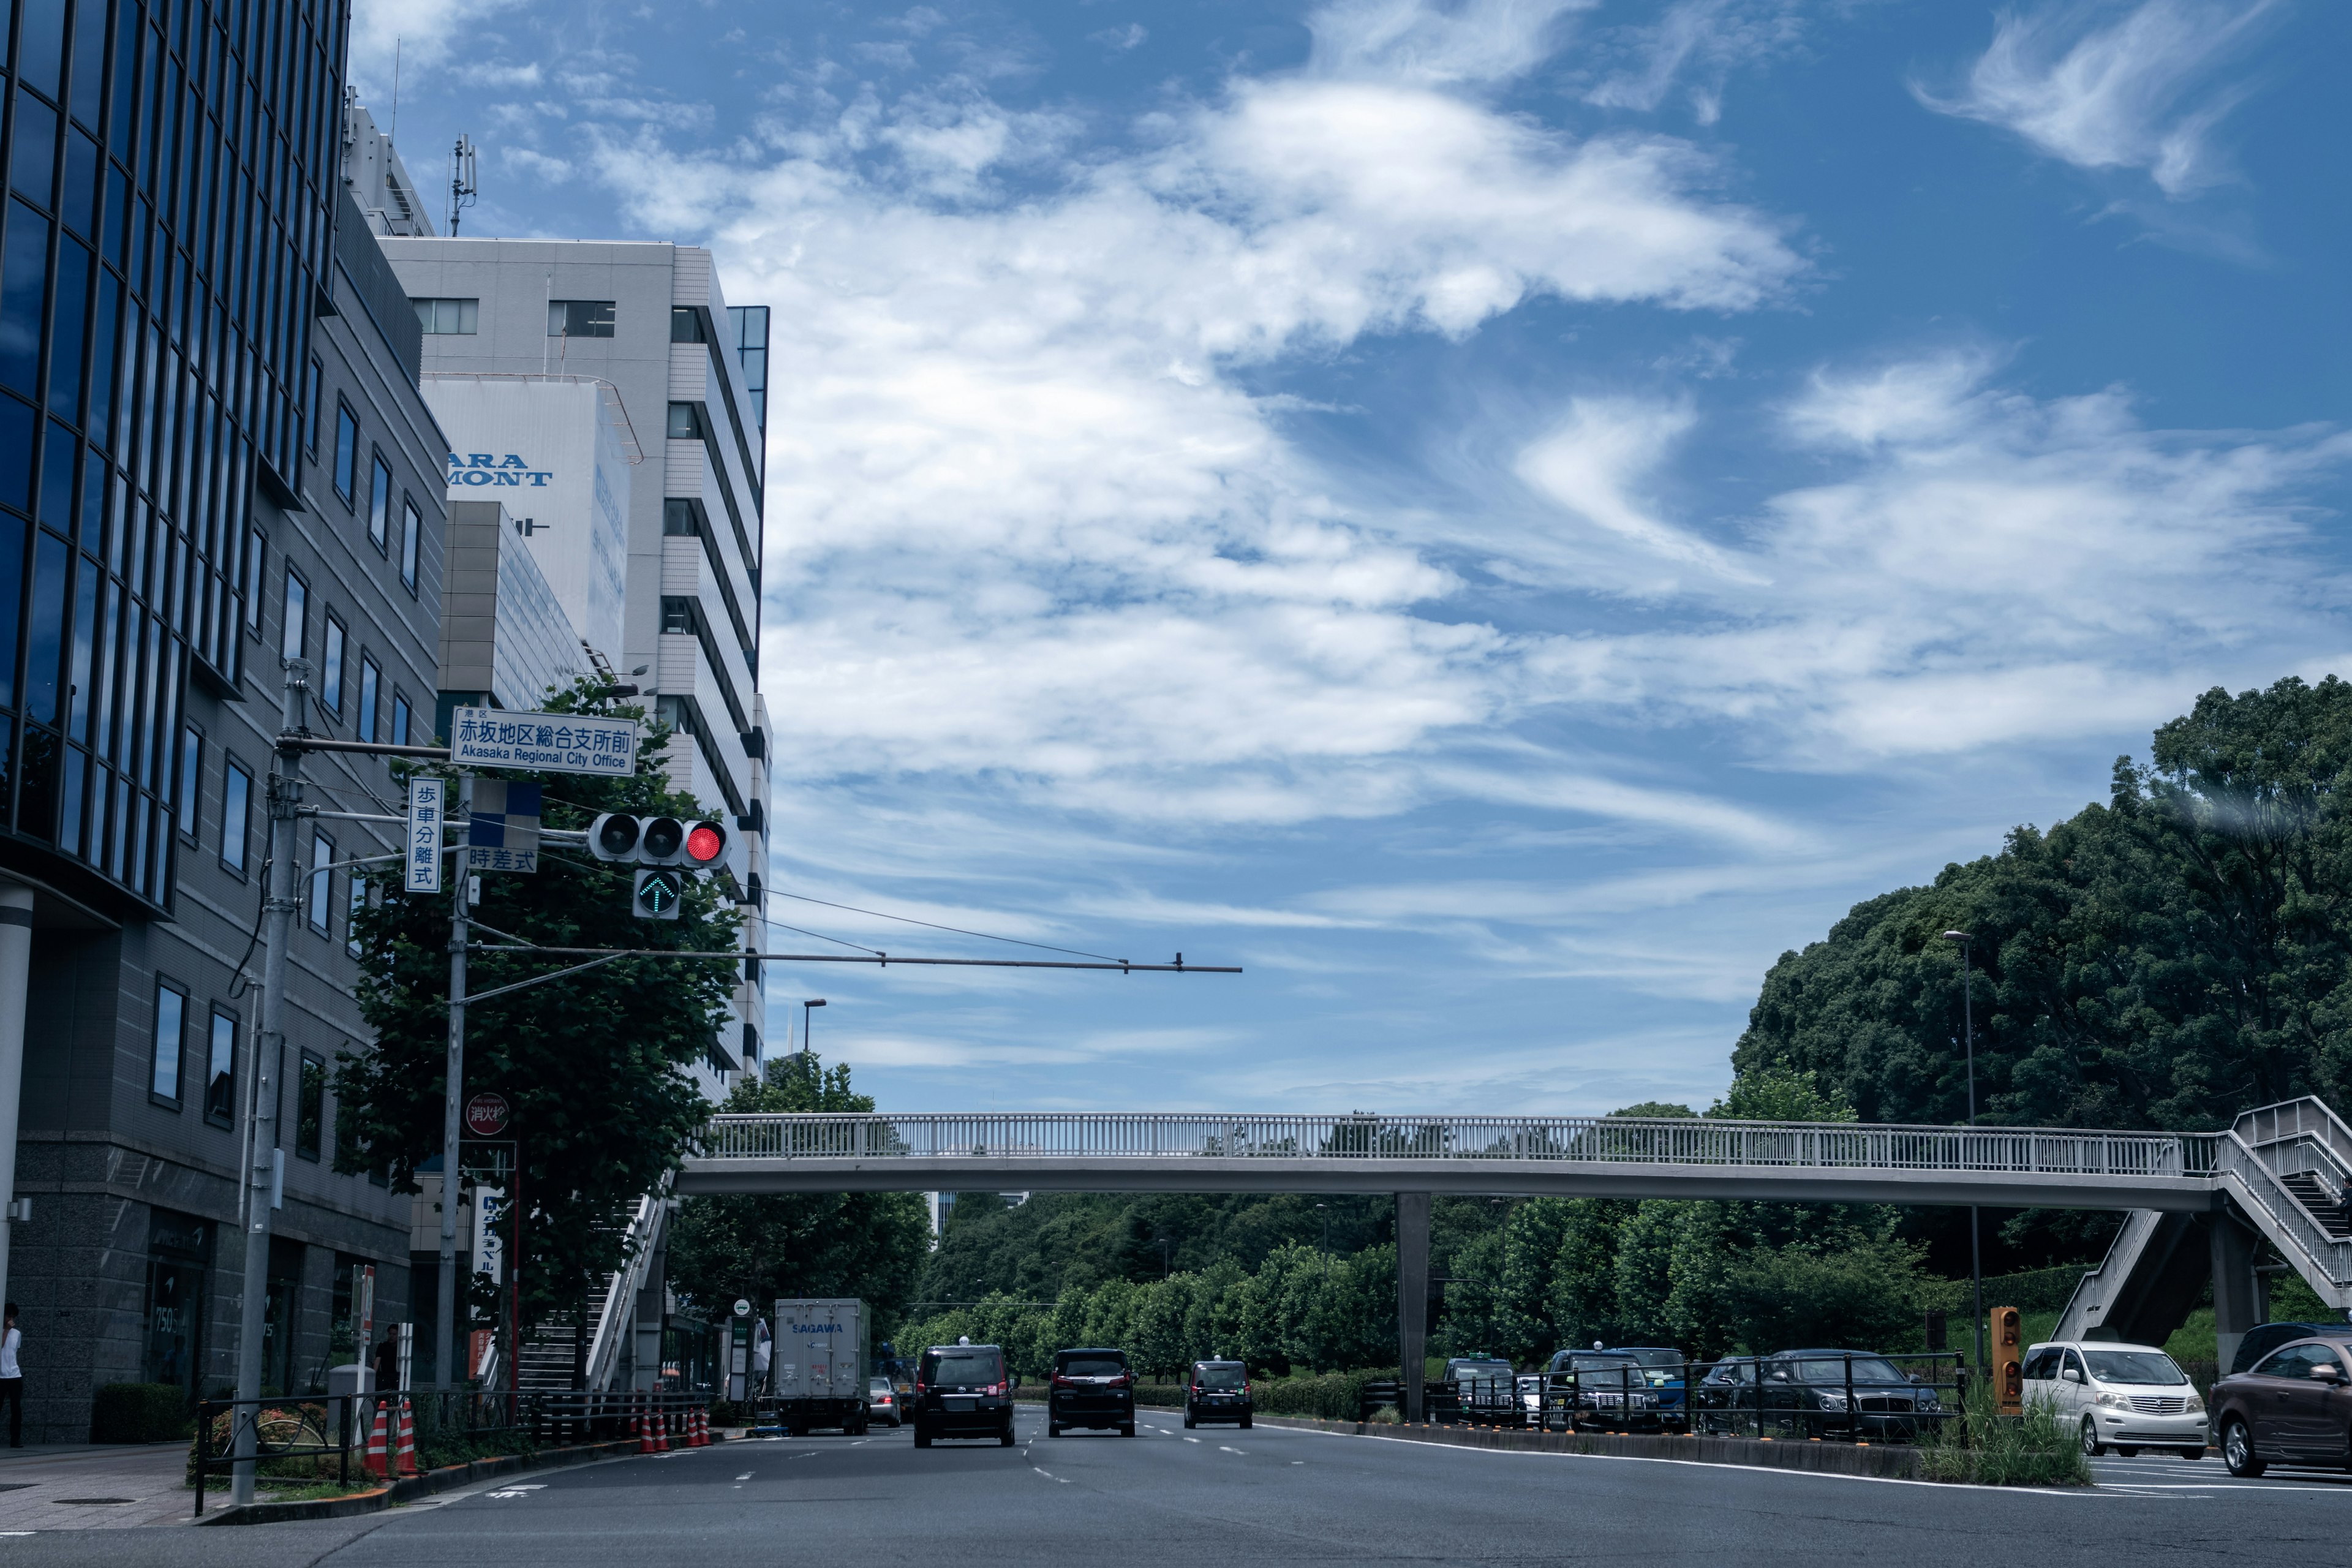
x=462, y=183
x=396, y=89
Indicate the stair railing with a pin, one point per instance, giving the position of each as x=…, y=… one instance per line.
x=619, y=1314
x=2324, y=1261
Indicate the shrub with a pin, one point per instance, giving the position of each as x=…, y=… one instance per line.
x=1988, y=1449
x=140, y=1413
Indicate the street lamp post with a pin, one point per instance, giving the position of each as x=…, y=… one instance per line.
x=808, y=1058
x=1969, y=1038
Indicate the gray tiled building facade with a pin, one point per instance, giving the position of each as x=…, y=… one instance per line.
x=213, y=453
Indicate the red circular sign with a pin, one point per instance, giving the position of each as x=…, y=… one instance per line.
x=486, y=1115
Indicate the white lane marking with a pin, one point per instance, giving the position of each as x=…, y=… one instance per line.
x=1223, y=1449
x=1192, y=1439
x=1041, y=1470
x=744, y=1477
x=1298, y=1462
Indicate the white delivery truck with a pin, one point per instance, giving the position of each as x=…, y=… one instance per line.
x=819, y=1363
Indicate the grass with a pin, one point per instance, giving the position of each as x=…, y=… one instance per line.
x=1988, y=1449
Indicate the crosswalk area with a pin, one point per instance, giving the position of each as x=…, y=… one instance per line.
x=2160, y=1476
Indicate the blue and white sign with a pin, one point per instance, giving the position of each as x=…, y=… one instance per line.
x=494, y=469
x=543, y=743
x=503, y=833
x=427, y=807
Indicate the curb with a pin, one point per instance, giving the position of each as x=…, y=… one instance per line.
x=425, y=1485
x=1887, y=1461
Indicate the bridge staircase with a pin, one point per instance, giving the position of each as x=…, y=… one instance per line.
x=551, y=1355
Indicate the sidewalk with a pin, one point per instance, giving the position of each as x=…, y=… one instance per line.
x=79, y=1486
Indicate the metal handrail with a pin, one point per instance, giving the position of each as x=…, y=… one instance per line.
x=2292, y=1227
x=1566, y=1139
x=620, y=1307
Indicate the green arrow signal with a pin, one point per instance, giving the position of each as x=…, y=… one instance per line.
x=658, y=895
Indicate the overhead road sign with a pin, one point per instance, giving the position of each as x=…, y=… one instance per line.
x=543, y=743
x=427, y=806
x=503, y=835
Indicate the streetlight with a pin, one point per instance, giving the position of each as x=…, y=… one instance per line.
x=1969, y=1036
x=808, y=1061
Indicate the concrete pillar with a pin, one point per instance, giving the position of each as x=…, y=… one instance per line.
x=2234, y=1285
x=1412, y=1297
x=16, y=983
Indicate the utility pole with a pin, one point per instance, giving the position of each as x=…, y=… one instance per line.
x=1969, y=1036
x=453, y=1128
x=285, y=798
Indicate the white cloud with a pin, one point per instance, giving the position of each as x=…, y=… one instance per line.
x=1121, y=39
x=1695, y=42
x=2135, y=92
x=420, y=32
x=1592, y=463
x=1409, y=41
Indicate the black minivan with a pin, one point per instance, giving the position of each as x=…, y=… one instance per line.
x=961, y=1391
x=1091, y=1388
x=1219, y=1391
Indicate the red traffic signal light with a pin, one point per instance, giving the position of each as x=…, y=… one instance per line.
x=705, y=842
x=657, y=841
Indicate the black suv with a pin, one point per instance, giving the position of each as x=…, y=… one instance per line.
x=1218, y=1390
x=1091, y=1388
x=961, y=1391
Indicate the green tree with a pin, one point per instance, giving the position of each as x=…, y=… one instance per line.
x=765, y=1245
x=594, y=1065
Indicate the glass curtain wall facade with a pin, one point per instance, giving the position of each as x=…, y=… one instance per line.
x=172, y=166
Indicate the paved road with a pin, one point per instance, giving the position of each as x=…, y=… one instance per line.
x=1267, y=1496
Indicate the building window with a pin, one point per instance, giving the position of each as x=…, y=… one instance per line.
x=331, y=676
x=347, y=452
x=171, y=1040
x=399, y=720
x=220, y=1071
x=237, y=810
x=369, y=684
x=311, y=1108
x=256, y=552
x=310, y=410
x=380, y=504
x=445, y=317
x=685, y=324
x=750, y=331
x=580, y=318
x=678, y=521
x=192, y=773
x=412, y=525
x=293, y=632
x=323, y=884
x=686, y=422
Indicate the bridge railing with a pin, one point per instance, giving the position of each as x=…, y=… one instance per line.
x=1577, y=1139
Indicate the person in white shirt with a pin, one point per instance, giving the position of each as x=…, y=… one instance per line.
x=12, y=1377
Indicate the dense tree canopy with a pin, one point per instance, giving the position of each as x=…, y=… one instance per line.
x=2169, y=959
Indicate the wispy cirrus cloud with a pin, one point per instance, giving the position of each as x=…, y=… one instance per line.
x=2103, y=90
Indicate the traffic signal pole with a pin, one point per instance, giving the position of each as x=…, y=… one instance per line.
x=285, y=796
x=453, y=1128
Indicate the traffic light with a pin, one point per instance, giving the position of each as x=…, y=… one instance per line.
x=658, y=895
x=2008, y=1372
x=657, y=841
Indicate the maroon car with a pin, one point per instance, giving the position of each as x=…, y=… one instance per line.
x=2292, y=1408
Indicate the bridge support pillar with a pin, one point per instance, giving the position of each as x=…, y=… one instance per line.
x=2234, y=1309
x=1413, y=1297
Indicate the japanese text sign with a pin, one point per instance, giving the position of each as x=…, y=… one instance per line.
x=543, y=743
x=427, y=801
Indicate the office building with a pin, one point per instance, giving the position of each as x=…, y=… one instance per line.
x=551, y=363
x=212, y=452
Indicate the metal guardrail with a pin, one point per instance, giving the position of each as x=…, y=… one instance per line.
x=1678, y=1397
x=1695, y=1142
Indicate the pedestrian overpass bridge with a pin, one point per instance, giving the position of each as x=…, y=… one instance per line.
x=2203, y=1205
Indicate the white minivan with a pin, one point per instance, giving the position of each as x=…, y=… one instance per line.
x=2124, y=1397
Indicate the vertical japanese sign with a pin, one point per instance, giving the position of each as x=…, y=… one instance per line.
x=503, y=833
x=427, y=799
x=489, y=1246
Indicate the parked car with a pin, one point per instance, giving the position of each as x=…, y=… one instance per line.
x=2294, y=1407
x=961, y=1391
x=1486, y=1388
x=1606, y=1388
x=882, y=1402
x=2119, y=1397
x=1090, y=1388
x=2264, y=1337
x=1666, y=1367
x=1219, y=1391
x=1804, y=1395
x=1530, y=1387
x=1725, y=1403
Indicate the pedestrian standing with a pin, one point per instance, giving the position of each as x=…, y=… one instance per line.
x=12, y=1377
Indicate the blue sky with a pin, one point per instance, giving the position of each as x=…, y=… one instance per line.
x=1501, y=518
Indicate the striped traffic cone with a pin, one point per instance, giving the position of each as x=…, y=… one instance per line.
x=407, y=1455
x=696, y=1437
x=661, y=1431
x=702, y=1428
x=643, y=1428
x=375, y=1458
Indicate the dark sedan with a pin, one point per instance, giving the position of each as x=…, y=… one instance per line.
x=2295, y=1407
x=961, y=1391
x=1603, y=1388
x=1805, y=1394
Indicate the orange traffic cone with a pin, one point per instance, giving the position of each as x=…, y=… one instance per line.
x=661, y=1431
x=702, y=1428
x=643, y=1428
x=407, y=1456
x=694, y=1437
x=375, y=1458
